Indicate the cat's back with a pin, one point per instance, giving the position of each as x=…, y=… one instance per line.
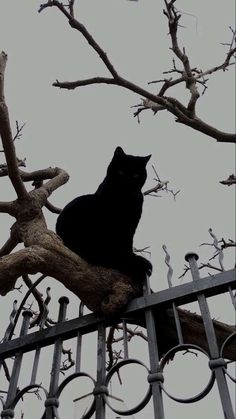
x=74, y=213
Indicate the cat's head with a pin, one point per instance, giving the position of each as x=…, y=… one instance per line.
x=127, y=171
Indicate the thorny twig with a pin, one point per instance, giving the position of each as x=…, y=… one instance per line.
x=16, y=316
x=113, y=355
x=225, y=244
x=162, y=185
x=218, y=253
x=18, y=134
x=190, y=76
x=68, y=362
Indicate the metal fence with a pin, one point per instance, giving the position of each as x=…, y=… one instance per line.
x=199, y=289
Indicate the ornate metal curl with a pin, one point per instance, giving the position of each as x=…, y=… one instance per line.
x=169, y=355
x=227, y=340
x=146, y=398
x=71, y=378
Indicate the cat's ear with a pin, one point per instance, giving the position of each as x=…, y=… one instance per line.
x=119, y=152
x=147, y=158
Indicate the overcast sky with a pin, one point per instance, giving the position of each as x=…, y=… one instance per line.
x=79, y=130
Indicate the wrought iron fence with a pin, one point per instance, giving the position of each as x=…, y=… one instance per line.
x=199, y=289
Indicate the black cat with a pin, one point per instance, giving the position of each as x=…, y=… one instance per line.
x=100, y=227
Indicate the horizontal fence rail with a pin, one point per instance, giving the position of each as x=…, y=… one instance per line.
x=180, y=294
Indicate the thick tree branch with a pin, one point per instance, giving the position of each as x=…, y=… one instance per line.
x=59, y=179
x=7, y=208
x=192, y=329
x=7, y=139
x=51, y=258
x=10, y=244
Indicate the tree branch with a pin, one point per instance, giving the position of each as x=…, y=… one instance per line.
x=70, y=85
x=183, y=115
x=173, y=20
x=10, y=244
x=81, y=28
x=6, y=135
x=8, y=208
x=53, y=259
x=231, y=180
x=60, y=178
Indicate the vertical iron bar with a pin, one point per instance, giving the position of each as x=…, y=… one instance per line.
x=178, y=324
x=100, y=388
x=233, y=298
x=125, y=339
x=79, y=342
x=155, y=377
x=216, y=363
x=51, y=401
x=8, y=412
x=35, y=366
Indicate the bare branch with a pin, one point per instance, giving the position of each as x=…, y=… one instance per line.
x=162, y=185
x=8, y=208
x=19, y=129
x=59, y=179
x=6, y=135
x=18, y=312
x=17, y=135
x=37, y=295
x=70, y=85
x=71, y=7
x=109, y=342
x=10, y=244
x=68, y=362
x=52, y=208
x=40, y=175
x=183, y=115
x=230, y=243
x=173, y=20
x=230, y=181
x=81, y=28
x=4, y=168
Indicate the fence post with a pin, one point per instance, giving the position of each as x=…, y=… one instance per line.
x=155, y=377
x=100, y=388
x=217, y=364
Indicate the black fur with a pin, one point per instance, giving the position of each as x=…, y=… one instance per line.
x=100, y=227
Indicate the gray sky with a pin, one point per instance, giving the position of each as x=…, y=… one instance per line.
x=79, y=130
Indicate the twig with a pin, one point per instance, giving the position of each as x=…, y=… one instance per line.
x=230, y=181
x=225, y=245
x=68, y=362
x=6, y=135
x=36, y=283
x=160, y=186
